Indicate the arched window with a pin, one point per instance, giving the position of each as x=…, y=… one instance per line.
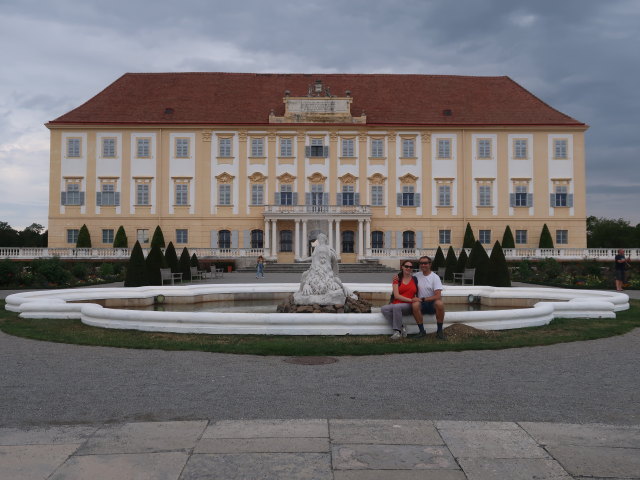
x=257, y=239
x=347, y=241
x=408, y=239
x=286, y=241
x=377, y=239
x=224, y=239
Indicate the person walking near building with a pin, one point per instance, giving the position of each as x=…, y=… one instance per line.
x=405, y=288
x=260, y=267
x=622, y=263
x=430, y=298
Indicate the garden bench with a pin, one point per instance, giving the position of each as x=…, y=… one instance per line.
x=468, y=274
x=441, y=271
x=215, y=272
x=197, y=274
x=168, y=276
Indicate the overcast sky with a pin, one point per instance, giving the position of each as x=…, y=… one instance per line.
x=580, y=56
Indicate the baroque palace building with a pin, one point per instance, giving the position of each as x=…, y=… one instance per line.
x=382, y=164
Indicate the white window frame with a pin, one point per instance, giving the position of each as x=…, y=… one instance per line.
x=109, y=147
x=72, y=235
x=142, y=194
x=348, y=147
x=485, y=195
x=182, y=148
x=143, y=147
x=107, y=236
x=286, y=147
x=142, y=235
x=484, y=148
x=484, y=236
x=182, y=194
x=257, y=194
x=444, y=149
x=257, y=147
x=562, y=237
x=408, y=148
x=521, y=237
x=224, y=194
x=560, y=148
x=225, y=147
x=444, y=195
x=377, y=148
x=182, y=235
x=444, y=237
x=521, y=193
x=408, y=196
x=520, y=148
x=377, y=195
x=74, y=147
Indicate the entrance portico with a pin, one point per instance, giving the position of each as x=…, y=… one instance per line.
x=309, y=220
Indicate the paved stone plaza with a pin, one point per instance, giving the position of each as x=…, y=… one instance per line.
x=321, y=449
x=556, y=412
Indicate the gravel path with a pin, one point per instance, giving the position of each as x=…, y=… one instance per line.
x=584, y=382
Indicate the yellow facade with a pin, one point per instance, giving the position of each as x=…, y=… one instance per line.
x=193, y=161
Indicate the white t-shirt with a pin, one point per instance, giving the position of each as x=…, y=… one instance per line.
x=427, y=284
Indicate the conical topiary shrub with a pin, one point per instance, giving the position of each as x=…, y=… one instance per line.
x=194, y=261
x=121, y=240
x=479, y=260
x=171, y=257
x=545, y=238
x=499, y=275
x=507, y=239
x=84, y=238
x=438, y=260
x=158, y=238
x=450, y=262
x=469, y=238
x=185, y=265
x=461, y=264
x=154, y=262
x=136, y=268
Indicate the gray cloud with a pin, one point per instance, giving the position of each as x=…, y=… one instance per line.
x=577, y=55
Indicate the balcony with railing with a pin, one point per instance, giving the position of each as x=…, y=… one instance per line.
x=329, y=210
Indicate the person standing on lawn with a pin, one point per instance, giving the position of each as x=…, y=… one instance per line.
x=622, y=263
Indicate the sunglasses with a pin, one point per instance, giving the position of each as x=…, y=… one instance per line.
x=425, y=263
x=407, y=266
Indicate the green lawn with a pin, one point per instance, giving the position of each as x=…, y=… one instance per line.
x=560, y=330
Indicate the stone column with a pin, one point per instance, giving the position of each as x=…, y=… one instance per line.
x=330, y=233
x=296, y=239
x=305, y=240
x=267, y=239
x=274, y=237
x=360, y=252
x=367, y=236
x=338, y=243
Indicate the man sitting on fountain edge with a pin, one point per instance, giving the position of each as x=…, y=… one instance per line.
x=429, y=297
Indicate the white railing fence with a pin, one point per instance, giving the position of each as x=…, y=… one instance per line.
x=601, y=254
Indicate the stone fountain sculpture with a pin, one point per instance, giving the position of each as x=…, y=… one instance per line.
x=320, y=284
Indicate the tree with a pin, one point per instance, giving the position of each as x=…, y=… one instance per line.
x=136, y=268
x=154, y=262
x=545, y=238
x=8, y=236
x=32, y=236
x=498, y=269
x=438, y=260
x=194, y=261
x=171, y=257
x=611, y=233
x=479, y=260
x=158, y=238
x=450, y=263
x=469, y=238
x=462, y=261
x=121, y=240
x=84, y=238
x=507, y=239
x=185, y=265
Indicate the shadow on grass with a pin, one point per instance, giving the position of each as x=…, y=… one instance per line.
x=558, y=331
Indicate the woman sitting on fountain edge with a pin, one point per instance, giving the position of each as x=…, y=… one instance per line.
x=405, y=289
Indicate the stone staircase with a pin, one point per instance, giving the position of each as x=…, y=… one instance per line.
x=301, y=267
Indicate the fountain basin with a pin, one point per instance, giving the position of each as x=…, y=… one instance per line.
x=91, y=306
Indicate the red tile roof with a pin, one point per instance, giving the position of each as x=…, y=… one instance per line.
x=248, y=98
